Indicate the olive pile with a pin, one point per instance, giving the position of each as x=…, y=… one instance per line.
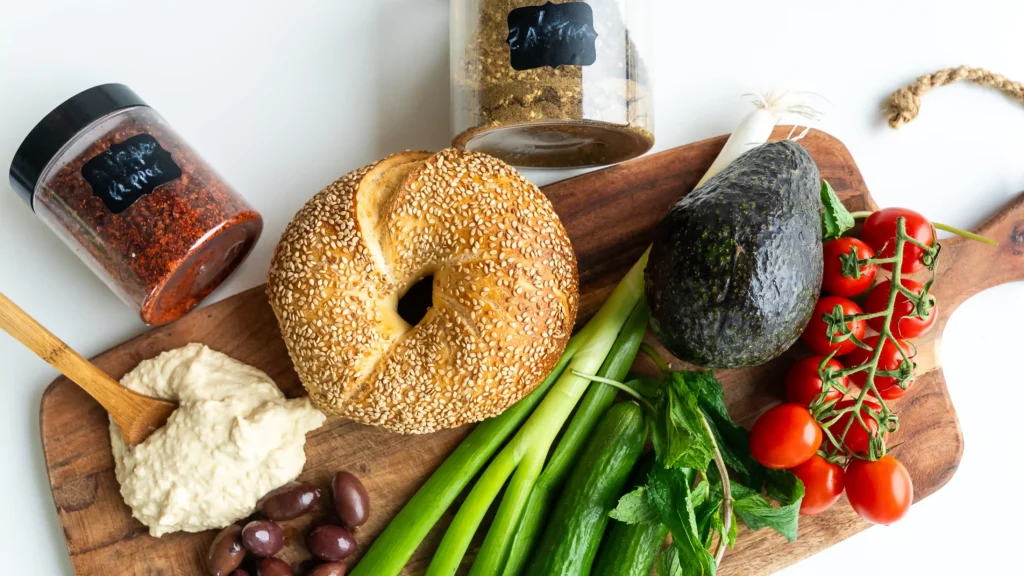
x=262, y=538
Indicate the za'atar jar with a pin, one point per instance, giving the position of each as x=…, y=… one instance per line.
x=134, y=201
x=552, y=84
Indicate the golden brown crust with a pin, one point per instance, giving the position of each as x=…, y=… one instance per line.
x=504, y=299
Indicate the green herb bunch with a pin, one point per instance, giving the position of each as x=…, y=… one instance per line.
x=700, y=503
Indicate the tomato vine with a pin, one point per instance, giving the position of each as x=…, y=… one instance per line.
x=824, y=410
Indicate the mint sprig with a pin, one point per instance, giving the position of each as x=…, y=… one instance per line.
x=691, y=428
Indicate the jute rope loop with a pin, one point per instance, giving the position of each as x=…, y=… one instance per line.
x=905, y=103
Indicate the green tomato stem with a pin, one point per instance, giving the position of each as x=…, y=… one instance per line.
x=880, y=261
x=921, y=245
x=851, y=370
x=867, y=316
x=910, y=295
x=965, y=234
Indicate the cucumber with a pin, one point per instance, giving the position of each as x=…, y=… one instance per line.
x=574, y=530
x=631, y=549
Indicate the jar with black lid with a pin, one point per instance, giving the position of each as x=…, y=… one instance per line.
x=134, y=201
x=552, y=84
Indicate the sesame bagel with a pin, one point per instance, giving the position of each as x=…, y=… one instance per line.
x=504, y=291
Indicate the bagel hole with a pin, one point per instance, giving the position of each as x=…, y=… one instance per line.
x=413, y=305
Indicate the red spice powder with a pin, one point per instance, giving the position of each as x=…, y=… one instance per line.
x=168, y=249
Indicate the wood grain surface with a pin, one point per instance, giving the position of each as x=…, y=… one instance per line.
x=610, y=216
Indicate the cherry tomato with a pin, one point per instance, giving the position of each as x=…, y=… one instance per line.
x=803, y=383
x=902, y=325
x=784, y=436
x=889, y=359
x=834, y=281
x=815, y=336
x=858, y=438
x=880, y=492
x=823, y=484
x=880, y=233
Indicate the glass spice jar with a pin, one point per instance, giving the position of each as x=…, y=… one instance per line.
x=135, y=202
x=551, y=85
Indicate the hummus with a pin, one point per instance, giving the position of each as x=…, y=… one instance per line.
x=233, y=438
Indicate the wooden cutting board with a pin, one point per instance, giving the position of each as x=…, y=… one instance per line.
x=610, y=215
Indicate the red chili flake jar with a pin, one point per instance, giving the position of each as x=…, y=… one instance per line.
x=137, y=204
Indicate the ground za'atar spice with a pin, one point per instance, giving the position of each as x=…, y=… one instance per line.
x=555, y=84
x=139, y=206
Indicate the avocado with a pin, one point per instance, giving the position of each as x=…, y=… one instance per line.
x=735, y=268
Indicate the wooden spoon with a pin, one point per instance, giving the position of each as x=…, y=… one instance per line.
x=137, y=415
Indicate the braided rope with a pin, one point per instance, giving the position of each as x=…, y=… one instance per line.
x=905, y=103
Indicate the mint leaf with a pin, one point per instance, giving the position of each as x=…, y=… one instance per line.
x=700, y=492
x=784, y=487
x=709, y=520
x=706, y=506
x=733, y=440
x=709, y=393
x=667, y=563
x=646, y=387
x=677, y=429
x=668, y=490
x=693, y=553
x=836, y=220
x=634, y=508
x=757, y=512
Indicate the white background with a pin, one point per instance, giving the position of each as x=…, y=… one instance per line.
x=283, y=97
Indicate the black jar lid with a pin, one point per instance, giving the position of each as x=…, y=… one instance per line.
x=59, y=127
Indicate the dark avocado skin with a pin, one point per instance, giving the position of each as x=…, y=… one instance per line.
x=735, y=268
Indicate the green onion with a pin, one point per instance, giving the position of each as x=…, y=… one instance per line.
x=757, y=126
x=393, y=548
x=531, y=444
x=594, y=404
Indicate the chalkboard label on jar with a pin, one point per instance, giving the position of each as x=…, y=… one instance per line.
x=129, y=170
x=552, y=35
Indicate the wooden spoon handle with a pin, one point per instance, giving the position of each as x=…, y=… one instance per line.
x=967, y=267
x=37, y=338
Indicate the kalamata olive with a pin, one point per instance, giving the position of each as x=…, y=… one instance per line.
x=239, y=572
x=329, y=569
x=351, y=501
x=226, y=551
x=330, y=543
x=289, y=501
x=263, y=538
x=274, y=567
